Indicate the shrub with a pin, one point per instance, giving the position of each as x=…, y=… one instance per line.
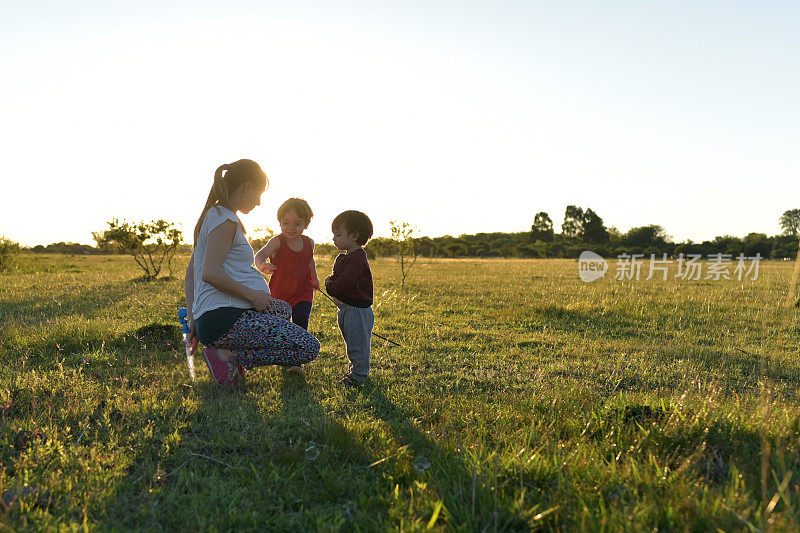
x=8, y=252
x=555, y=250
x=150, y=243
x=259, y=237
x=325, y=249
x=652, y=250
x=405, y=247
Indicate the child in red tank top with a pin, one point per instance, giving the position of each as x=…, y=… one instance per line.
x=289, y=258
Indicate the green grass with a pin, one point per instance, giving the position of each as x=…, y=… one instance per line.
x=521, y=398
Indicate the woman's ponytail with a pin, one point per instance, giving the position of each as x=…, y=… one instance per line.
x=218, y=188
x=226, y=179
x=221, y=188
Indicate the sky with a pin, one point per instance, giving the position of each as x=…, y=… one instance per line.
x=455, y=116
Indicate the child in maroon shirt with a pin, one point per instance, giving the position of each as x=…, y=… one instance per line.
x=350, y=286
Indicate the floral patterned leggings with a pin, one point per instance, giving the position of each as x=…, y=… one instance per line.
x=269, y=338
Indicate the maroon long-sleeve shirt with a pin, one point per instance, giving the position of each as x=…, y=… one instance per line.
x=351, y=281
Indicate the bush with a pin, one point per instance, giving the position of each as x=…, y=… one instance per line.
x=378, y=247
x=72, y=248
x=619, y=250
x=599, y=249
x=405, y=247
x=8, y=252
x=555, y=250
x=149, y=243
x=260, y=237
x=328, y=250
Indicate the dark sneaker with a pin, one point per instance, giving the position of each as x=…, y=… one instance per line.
x=349, y=381
x=295, y=371
x=223, y=372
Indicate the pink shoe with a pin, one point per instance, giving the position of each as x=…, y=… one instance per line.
x=223, y=372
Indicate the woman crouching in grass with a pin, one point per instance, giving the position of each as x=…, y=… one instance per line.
x=228, y=301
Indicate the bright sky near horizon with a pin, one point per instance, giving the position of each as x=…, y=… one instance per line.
x=457, y=116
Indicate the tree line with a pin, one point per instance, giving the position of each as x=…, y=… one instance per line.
x=585, y=230
x=581, y=230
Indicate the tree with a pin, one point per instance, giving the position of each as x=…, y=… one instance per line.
x=614, y=236
x=405, y=247
x=328, y=249
x=555, y=250
x=379, y=247
x=8, y=252
x=573, y=221
x=645, y=236
x=426, y=246
x=757, y=243
x=542, y=229
x=259, y=237
x=726, y=244
x=455, y=249
x=594, y=230
x=790, y=222
x=785, y=247
x=149, y=243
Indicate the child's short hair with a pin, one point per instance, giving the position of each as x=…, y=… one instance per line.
x=300, y=207
x=354, y=222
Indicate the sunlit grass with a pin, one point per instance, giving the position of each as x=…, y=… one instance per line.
x=521, y=398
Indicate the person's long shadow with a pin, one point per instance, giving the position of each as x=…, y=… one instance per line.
x=299, y=408
x=323, y=468
x=467, y=492
x=266, y=457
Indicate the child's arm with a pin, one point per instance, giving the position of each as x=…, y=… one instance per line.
x=262, y=256
x=343, y=281
x=336, y=272
x=312, y=269
x=333, y=298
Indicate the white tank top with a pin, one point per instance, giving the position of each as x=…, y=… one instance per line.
x=238, y=265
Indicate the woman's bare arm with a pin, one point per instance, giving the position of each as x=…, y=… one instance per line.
x=188, y=284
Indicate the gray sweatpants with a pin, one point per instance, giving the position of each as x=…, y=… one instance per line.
x=356, y=325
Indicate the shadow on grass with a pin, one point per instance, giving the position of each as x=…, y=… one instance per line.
x=611, y=322
x=616, y=323
x=264, y=458
x=469, y=495
x=739, y=371
x=76, y=321
x=46, y=306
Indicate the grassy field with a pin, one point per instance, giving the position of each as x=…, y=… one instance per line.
x=521, y=398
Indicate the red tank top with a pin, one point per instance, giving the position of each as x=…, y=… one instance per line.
x=292, y=281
